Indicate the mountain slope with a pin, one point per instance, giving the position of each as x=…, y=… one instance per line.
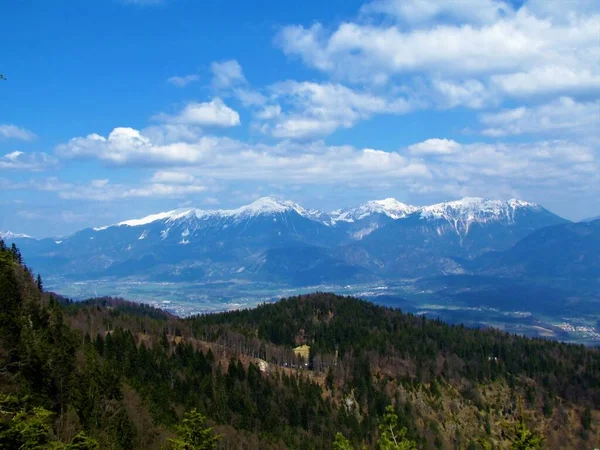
x=124, y=374
x=264, y=240
x=566, y=251
x=361, y=221
x=435, y=239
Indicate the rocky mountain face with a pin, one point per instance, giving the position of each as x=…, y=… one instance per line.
x=281, y=241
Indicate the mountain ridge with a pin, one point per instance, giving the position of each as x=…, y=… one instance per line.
x=381, y=239
x=467, y=208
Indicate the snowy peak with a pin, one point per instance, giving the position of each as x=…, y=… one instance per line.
x=474, y=209
x=11, y=235
x=459, y=212
x=389, y=207
x=265, y=205
x=262, y=206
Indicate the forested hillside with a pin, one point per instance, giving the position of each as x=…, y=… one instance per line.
x=107, y=373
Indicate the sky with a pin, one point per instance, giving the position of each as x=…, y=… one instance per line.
x=116, y=109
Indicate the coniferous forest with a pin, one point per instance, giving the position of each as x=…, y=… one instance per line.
x=309, y=372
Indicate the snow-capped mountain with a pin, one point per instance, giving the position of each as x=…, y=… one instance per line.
x=363, y=220
x=441, y=235
x=268, y=239
x=262, y=206
x=9, y=235
x=389, y=207
x=461, y=214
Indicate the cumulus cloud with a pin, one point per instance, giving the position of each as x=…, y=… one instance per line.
x=318, y=109
x=435, y=147
x=470, y=93
x=564, y=115
x=208, y=114
x=515, y=52
x=27, y=161
x=548, y=79
x=434, y=165
x=130, y=146
x=8, y=131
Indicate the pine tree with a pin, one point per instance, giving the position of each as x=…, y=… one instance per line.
x=39, y=283
x=521, y=437
x=392, y=437
x=194, y=434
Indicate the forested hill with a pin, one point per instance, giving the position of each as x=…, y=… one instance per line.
x=317, y=371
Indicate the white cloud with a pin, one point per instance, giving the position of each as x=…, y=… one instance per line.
x=563, y=115
x=269, y=112
x=8, y=131
x=435, y=147
x=470, y=93
x=230, y=159
x=208, y=114
x=434, y=165
x=27, y=161
x=182, y=81
x=315, y=109
x=514, y=53
x=130, y=146
x=166, y=133
x=548, y=79
x=561, y=10
x=227, y=74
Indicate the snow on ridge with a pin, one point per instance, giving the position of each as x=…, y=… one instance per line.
x=389, y=207
x=475, y=209
x=264, y=205
x=467, y=209
x=11, y=235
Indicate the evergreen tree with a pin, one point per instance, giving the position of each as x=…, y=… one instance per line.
x=39, y=283
x=586, y=418
x=194, y=434
x=341, y=443
x=521, y=437
x=393, y=437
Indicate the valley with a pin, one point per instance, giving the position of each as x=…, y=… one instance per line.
x=188, y=299
x=511, y=264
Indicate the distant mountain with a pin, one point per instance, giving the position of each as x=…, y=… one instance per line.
x=568, y=251
x=590, y=219
x=9, y=235
x=436, y=239
x=191, y=243
x=363, y=220
x=280, y=241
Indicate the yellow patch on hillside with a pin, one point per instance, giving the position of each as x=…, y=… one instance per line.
x=302, y=350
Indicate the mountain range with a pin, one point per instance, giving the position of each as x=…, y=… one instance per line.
x=280, y=241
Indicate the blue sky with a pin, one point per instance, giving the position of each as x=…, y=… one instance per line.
x=114, y=109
